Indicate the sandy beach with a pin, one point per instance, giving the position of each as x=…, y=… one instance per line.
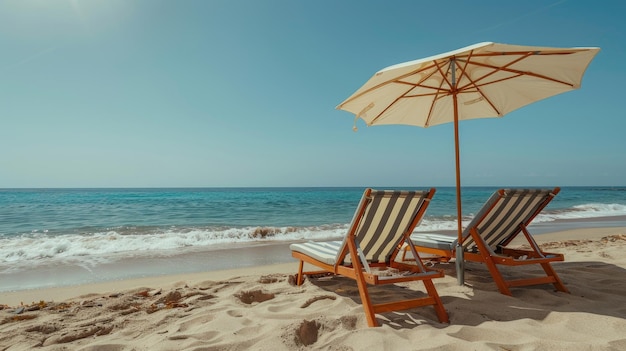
x=257, y=308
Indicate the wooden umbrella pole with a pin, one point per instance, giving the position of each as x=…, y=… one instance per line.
x=460, y=262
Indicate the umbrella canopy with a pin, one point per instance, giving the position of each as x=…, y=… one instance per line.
x=479, y=81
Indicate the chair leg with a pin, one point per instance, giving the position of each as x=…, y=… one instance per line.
x=367, y=304
x=558, y=284
x=439, y=309
x=362, y=285
x=488, y=260
x=365, y=298
x=299, y=277
x=497, y=276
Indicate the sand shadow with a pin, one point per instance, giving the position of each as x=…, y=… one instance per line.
x=347, y=288
x=593, y=285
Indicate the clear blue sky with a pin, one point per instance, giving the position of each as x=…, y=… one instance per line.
x=151, y=93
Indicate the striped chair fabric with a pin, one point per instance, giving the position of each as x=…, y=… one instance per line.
x=323, y=251
x=380, y=231
x=507, y=213
x=498, y=221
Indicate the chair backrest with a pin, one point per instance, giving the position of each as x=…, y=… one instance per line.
x=384, y=219
x=504, y=215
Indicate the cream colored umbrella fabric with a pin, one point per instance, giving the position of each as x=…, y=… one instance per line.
x=479, y=81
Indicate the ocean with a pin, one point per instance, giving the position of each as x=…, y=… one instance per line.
x=56, y=237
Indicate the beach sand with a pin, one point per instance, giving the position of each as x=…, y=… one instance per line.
x=258, y=309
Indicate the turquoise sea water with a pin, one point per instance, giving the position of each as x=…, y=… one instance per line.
x=90, y=228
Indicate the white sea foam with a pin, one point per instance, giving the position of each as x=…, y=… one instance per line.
x=592, y=210
x=88, y=249
x=586, y=211
x=40, y=249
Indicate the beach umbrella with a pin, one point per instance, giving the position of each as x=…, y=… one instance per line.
x=479, y=81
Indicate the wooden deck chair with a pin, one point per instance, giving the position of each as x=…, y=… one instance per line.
x=380, y=227
x=507, y=213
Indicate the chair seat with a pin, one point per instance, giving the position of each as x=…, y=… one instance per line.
x=323, y=251
x=434, y=240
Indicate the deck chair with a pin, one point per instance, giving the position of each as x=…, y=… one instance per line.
x=507, y=213
x=381, y=225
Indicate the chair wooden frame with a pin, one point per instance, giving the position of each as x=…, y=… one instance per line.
x=487, y=243
x=355, y=261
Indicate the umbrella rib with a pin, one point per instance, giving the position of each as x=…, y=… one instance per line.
x=389, y=106
x=506, y=68
x=415, y=85
x=438, y=91
x=495, y=69
x=412, y=86
x=517, y=53
x=387, y=82
x=517, y=73
x=524, y=73
x=476, y=86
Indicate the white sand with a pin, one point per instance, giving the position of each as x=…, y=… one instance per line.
x=207, y=311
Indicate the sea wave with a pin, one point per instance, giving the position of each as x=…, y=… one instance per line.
x=98, y=247
x=591, y=210
x=92, y=246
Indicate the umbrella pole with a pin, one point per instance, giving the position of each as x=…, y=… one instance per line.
x=460, y=260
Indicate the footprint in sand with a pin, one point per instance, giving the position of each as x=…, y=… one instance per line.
x=248, y=297
x=234, y=313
